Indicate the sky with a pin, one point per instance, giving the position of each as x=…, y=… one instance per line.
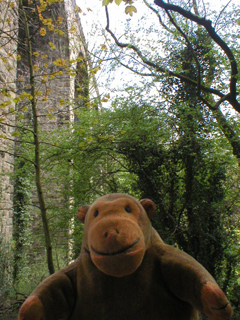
x=93, y=21
x=117, y=14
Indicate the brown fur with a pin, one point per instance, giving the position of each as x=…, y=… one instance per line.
x=125, y=271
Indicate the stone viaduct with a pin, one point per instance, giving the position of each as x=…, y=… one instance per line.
x=63, y=40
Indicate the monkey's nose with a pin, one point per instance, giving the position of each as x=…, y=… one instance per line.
x=111, y=233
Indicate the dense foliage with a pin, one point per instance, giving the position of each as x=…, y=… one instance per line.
x=191, y=180
x=137, y=148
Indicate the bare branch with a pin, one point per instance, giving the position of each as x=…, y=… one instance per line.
x=158, y=68
x=221, y=12
x=159, y=17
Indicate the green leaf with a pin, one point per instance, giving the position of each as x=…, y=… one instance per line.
x=130, y=10
x=118, y=2
x=82, y=145
x=105, y=2
x=16, y=133
x=50, y=116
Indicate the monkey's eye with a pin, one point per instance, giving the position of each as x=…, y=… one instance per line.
x=128, y=209
x=96, y=213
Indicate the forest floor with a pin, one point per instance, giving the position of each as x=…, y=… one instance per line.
x=9, y=315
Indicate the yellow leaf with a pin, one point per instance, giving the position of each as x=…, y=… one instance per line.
x=130, y=9
x=106, y=2
x=51, y=27
x=20, y=117
x=35, y=54
x=26, y=95
x=43, y=32
x=60, y=32
x=5, y=93
x=59, y=62
x=72, y=73
x=38, y=93
x=47, y=22
x=79, y=10
x=104, y=100
x=50, y=116
x=35, y=68
x=23, y=95
x=103, y=47
x=73, y=30
x=52, y=46
x=61, y=102
x=60, y=20
x=16, y=100
x=44, y=78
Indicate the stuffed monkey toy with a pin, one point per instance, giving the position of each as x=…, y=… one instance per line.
x=126, y=272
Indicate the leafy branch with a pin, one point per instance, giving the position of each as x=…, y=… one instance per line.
x=204, y=91
x=231, y=97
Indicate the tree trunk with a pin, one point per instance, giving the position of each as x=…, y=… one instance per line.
x=37, y=146
x=229, y=133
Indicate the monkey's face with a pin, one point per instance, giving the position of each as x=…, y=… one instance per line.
x=115, y=235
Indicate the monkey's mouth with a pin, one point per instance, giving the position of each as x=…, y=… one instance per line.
x=115, y=253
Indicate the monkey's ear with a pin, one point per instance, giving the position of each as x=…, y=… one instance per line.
x=82, y=213
x=149, y=207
